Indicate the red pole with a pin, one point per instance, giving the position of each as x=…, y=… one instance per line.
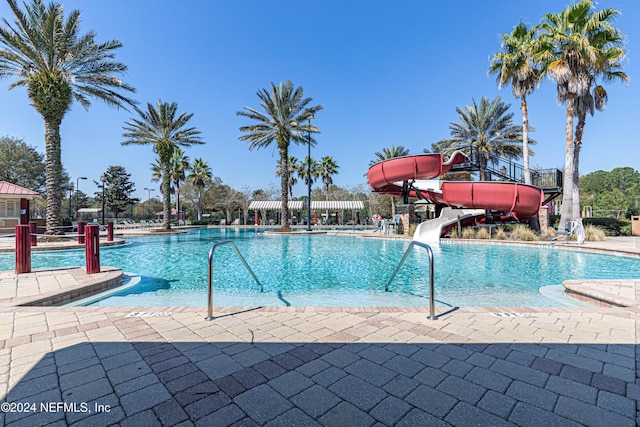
x=33, y=230
x=256, y=219
x=92, y=248
x=110, y=231
x=23, y=249
x=81, y=232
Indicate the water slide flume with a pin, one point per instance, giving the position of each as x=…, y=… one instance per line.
x=402, y=175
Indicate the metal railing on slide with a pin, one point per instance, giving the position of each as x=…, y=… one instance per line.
x=432, y=304
x=210, y=279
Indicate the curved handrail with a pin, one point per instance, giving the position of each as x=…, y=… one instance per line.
x=210, y=278
x=432, y=304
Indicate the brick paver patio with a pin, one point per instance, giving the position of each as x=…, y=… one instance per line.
x=319, y=366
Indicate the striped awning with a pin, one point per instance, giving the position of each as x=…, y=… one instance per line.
x=355, y=205
x=273, y=205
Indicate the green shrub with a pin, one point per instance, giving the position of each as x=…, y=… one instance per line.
x=625, y=230
x=611, y=226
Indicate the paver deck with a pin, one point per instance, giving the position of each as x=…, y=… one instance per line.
x=299, y=366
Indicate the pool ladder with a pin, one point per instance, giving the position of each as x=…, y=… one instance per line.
x=432, y=304
x=210, y=285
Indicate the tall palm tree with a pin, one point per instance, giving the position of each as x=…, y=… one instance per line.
x=283, y=121
x=577, y=46
x=387, y=154
x=159, y=127
x=486, y=128
x=292, y=168
x=178, y=167
x=326, y=169
x=200, y=176
x=514, y=63
x=58, y=66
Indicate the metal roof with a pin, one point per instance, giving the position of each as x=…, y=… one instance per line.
x=12, y=190
x=337, y=204
x=273, y=205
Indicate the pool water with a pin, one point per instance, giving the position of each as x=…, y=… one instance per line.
x=337, y=269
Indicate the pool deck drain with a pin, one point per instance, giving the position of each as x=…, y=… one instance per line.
x=320, y=365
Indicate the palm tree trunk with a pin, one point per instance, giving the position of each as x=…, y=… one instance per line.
x=199, y=203
x=54, y=177
x=284, y=187
x=166, y=196
x=566, y=209
x=582, y=118
x=525, y=140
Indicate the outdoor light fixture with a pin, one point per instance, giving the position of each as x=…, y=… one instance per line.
x=78, y=189
x=149, y=203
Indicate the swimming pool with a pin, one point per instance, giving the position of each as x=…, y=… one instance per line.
x=337, y=269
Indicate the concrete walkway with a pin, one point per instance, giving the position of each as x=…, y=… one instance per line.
x=302, y=366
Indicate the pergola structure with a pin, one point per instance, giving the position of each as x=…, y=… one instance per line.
x=318, y=205
x=14, y=205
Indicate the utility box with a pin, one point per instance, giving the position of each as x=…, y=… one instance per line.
x=635, y=225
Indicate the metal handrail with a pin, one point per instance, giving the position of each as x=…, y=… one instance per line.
x=432, y=304
x=210, y=283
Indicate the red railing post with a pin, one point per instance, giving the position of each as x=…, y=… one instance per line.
x=81, y=232
x=33, y=230
x=92, y=248
x=23, y=249
x=110, y=231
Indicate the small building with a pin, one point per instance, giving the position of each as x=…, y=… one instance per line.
x=14, y=205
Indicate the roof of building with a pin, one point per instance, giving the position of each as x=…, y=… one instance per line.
x=300, y=204
x=9, y=189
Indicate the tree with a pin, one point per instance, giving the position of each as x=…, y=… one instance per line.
x=117, y=190
x=306, y=174
x=21, y=164
x=57, y=65
x=387, y=154
x=283, y=121
x=159, y=127
x=292, y=167
x=486, y=128
x=577, y=46
x=514, y=63
x=326, y=169
x=200, y=176
x=178, y=167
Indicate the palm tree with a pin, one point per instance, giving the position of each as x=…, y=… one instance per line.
x=387, y=154
x=159, y=126
x=577, y=46
x=200, y=176
x=326, y=169
x=283, y=120
x=178, y=166
x=515, y=63
x=58, y=66
x=292, y=167
x=303, y=170
x=486, y=128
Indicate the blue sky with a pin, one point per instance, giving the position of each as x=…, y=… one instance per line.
x=387, y=73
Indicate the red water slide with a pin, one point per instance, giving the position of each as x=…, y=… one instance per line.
x=520, y=199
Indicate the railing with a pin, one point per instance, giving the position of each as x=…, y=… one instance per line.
x=210, y=283
x=432, y=304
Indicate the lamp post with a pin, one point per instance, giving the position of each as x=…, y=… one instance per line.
x=78, y=189
x=309, y=178
x=149, y=202
x=103, y=178
x=70, y=188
